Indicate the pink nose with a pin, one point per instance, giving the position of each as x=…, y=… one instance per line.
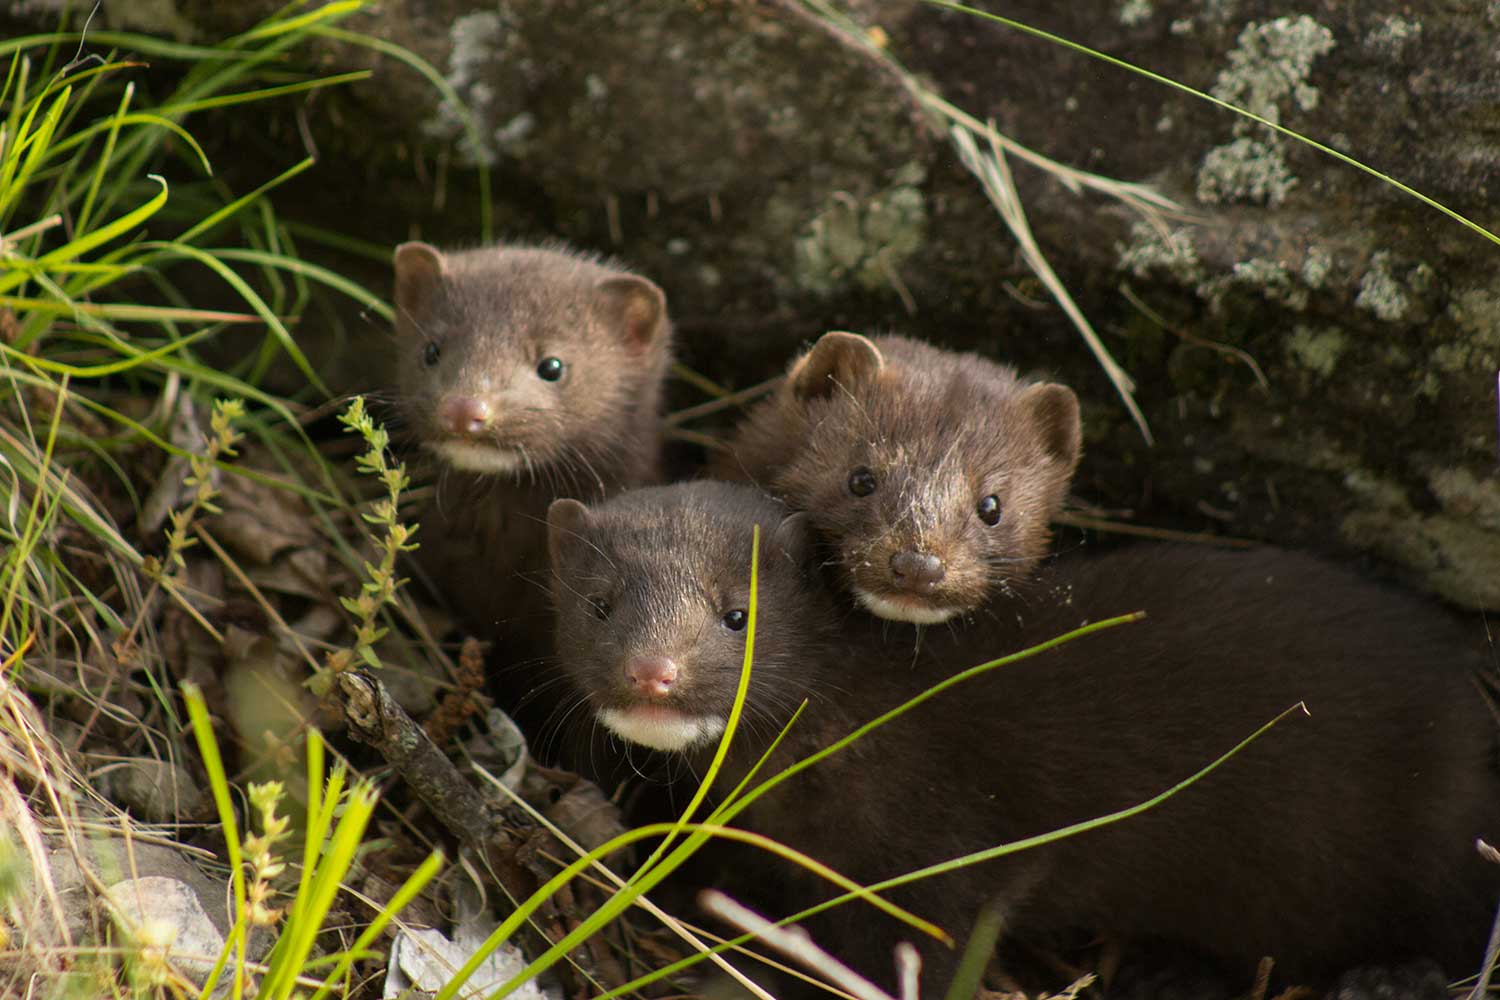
x=918, y=572
x=464, y=414
x=651, y=676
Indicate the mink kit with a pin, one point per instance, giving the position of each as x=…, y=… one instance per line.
x=527, y=373
x=1338, y=839
x=932, y=476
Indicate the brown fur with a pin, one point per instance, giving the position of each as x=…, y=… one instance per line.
x=494, y=314
x=939, y=431
x=1339, y=838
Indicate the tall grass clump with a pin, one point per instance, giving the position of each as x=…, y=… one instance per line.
x=125, y=258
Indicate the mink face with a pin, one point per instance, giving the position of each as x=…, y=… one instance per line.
x=932, y=475
x=530, y=363
x=652, y=592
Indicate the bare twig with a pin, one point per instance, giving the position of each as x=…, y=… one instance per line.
x=376, y=719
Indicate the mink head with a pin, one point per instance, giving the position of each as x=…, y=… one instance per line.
x=932, y=476
x=652, y=591
x=520, y=361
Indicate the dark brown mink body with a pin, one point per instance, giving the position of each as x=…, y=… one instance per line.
x=1337, y=839
x=930, y=475
x=526, y=373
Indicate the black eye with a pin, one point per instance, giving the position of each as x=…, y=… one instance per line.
x=735, y=620
x=862, y=481
x=989, y=510
x=431, y=353
x=601, y=608
x=550, y=369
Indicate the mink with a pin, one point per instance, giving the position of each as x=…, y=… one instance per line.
x=932, y=475
x=528, y=373
x=1338, y=838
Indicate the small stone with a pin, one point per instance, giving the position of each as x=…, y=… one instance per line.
x=156, y=791
x=166, y=920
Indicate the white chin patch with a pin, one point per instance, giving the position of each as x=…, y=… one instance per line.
x=661, y=728
x=904, y=611
x=478, y=457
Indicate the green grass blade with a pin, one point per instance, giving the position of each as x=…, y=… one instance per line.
x=735, y=711
x=149, y=45
x=85, y=214
x=304, y=22
x=254, y=301
x=264, y=94
x=315, y=272
x=218, y=784
x=977, y=952
x=234, y=207
x=16, y=171
x=83, y=244
x=149, y=119
x=424, y=874
x=617, y=903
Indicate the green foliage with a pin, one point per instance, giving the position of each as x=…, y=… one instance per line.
x=379, y=589
x=337, y=816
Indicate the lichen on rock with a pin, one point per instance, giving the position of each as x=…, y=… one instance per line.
x=1268, y=67
x=865, y=241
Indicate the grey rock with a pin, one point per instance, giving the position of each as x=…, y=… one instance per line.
x=167, y=917
x=156, y=791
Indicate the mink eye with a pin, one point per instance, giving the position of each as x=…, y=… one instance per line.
x=989, y=510
x=862, y=481
x=735, y=620
x=431, y=353
x=550, y=369
x=601, y=608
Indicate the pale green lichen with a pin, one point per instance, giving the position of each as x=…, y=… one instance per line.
x=1376, y=492
x=478, y=42
x=1467, y=496
x=1154, y=251
x=1317, y=350
x=1271, y=62
x=1315, y=267
x=1453, y=556
x=1269, y=66
x=1245, y=169
x=1477, y=313
x=864, y=241
x=1133, y=12
x=1453, y=358
x=1267, y=279
x=1393, y=35
x=1380, y=292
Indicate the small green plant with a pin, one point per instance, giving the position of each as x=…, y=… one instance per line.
x=221, y=443
x=338, y=814
x=391, y=538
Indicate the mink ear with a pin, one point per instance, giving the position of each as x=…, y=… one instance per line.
x=836, y=360
x=793, y=540
x=566, y=520
x=1053, y=410
x=635, y=309
x=419, y=272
